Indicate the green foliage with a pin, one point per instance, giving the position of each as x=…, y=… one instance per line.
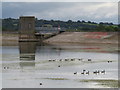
x=13, y=24
x=10, y=24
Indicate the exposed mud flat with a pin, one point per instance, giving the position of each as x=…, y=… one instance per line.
x=85, y=37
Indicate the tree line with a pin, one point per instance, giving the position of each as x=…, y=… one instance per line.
x=11, y=24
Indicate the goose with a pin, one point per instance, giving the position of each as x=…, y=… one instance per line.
x=53, y=60
x=40, y=83
x=75, y=73
x=50, y=60
x=110, y=61
x=4, y=67
x=72, y=59
x=87, y=72
x=103, y=71
x=60, y=60
x=80, y=59
x=84, y=70
x=95, y=72
x=89, y=60
x=82, y=73
x=66, y=59
x=98, y=71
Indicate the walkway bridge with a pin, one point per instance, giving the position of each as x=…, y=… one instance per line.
x=47, y=32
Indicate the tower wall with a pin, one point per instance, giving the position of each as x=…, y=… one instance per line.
x=27, y=28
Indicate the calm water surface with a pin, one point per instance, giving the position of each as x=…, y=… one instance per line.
x=28, y=65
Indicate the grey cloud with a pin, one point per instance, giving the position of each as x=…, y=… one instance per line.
x=62, y=10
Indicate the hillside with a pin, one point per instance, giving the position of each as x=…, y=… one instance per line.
x=11, y=24
x=85, y=37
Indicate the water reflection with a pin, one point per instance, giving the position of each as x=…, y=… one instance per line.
x=27, y=50
x=27, y=53
x=47, y=52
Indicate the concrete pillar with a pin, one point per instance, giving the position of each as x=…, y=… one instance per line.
x=27, y=28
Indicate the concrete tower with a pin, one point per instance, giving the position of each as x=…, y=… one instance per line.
x=27, y=28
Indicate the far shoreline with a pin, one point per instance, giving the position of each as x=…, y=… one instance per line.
x=12, y=39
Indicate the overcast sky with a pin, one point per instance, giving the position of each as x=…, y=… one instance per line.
x=88, y=11
x=60, y=0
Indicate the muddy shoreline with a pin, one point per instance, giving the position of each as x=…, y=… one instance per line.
x=11, y=39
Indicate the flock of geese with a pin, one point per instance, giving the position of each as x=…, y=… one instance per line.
x=69, y=59
x=94, y=72
x=84, y=72
x=81, y=59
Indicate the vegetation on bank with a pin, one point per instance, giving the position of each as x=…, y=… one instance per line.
x=9, y=24
x=105, y=83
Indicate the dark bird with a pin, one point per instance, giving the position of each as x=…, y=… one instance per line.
x=40, y=83
x=98, y=71
x=4, y=67
x=109, y=61
x=87, y=72
x=53, y=60
x=84, y=70
x=82, y=73
x=75, y=73
x=95, y=72
x=59, y=66
x=80, y=59
x=72, y=59
x=66, y=59
x=89, y=60
x=60, y=60
x=103, y=71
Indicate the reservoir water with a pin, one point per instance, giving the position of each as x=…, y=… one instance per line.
x=33, y=65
